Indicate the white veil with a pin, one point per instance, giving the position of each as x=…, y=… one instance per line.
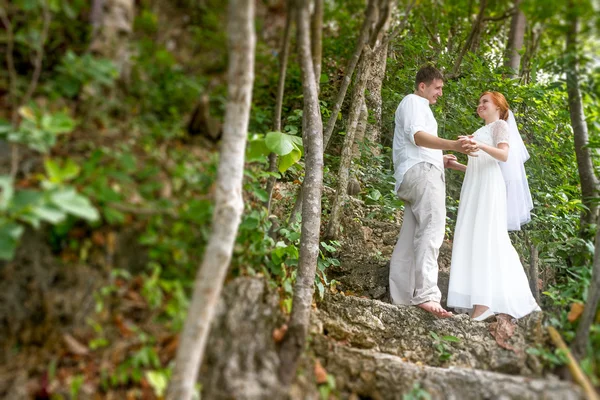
x=519, y=203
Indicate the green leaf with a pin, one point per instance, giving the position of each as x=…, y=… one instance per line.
x=49, y=214
x=6, y=185
x=256, y=150
x=58, y=123
x=261, y=194
x=158, y=380
x=286, y=161
x=75, y=204
x=10, y=234
x=450, y=338
x=280, y=143
x=5, y=127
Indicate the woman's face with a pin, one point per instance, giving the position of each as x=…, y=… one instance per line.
x=487, y=108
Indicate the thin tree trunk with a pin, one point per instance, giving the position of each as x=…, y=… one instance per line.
x=370, y=20
x=294, y=341
x=585, y=166
x=283, y=60
x=377, y=68
x=96, y=15
x=532, y=46
x=112, y=31
x=358, y=98
x=473, y=36
x=228, y=201
x=582, y=337
x=360, y=129
x=316, y=39
x=512, y=57
x=364, y=37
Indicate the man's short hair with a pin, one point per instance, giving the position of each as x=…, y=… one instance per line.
x=427, y=74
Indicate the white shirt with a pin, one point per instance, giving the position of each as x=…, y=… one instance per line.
x=413, y=115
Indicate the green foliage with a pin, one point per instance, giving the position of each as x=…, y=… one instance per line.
x=53, y=204
x=78, y=72
x=287, y=147
x=417, y=393
x=38, y=130
x=441, y=344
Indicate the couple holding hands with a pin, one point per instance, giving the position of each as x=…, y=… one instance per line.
x=486, y=275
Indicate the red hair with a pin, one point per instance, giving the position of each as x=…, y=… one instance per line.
x=499, y=100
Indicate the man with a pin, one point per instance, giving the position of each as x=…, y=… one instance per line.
x=419, y=171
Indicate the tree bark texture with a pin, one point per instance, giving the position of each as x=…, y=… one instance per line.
x=373, y=96
x=228, y=201
x=473, y=36
x=582, y=337
x=112, y=31
x=294, y=341
x=365, y=33
x=516, y=35
x=241, y=359
x=377, y=73
x=358, y=99
x=316, y=39
x=360, y=129
x=585, y=166
x=283, y=60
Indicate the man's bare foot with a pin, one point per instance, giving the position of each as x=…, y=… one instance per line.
x=435, y=308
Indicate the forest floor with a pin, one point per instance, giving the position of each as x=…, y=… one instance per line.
x=72, y=330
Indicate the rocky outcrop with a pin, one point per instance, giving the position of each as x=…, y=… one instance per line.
x=408, y=332
x=241, y=358
x=368, y=374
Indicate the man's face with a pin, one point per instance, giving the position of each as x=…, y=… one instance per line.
x=432, y=91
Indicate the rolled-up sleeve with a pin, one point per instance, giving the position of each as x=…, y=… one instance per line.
x=414, y=119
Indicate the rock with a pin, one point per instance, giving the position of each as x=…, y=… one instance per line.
x=406, y=331
x=374, y=375
x=241, y=359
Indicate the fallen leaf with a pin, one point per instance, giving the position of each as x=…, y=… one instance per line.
x=576, y=311
x=98, y=238
x=279, y=333
x=320, y=373
x=124, y=326
x=74, y=346
x=502, y=330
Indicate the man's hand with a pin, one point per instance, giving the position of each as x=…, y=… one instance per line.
x=468, y=145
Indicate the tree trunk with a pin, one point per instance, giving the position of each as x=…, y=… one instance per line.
x=377, y=75
x=316, y=39
x=112, y=29
x=228, y=201
x=582, y=337
x=360, y=129
x=283, y=60
x=294, y=341
x=373, y=97
x=512, y=57
x=473, y=36
x=365, y=33
x=585, y=166
x=358, y=99
x=531, y=46
x=96, y=16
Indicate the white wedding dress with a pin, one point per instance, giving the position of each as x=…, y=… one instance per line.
x=485, y=267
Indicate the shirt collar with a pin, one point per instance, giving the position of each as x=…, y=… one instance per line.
x=422, y=99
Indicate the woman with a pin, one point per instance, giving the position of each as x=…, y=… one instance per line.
x=486, y=275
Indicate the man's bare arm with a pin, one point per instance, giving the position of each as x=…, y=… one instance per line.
x=430, y=141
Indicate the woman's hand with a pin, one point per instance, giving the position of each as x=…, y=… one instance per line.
x=451, y=162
